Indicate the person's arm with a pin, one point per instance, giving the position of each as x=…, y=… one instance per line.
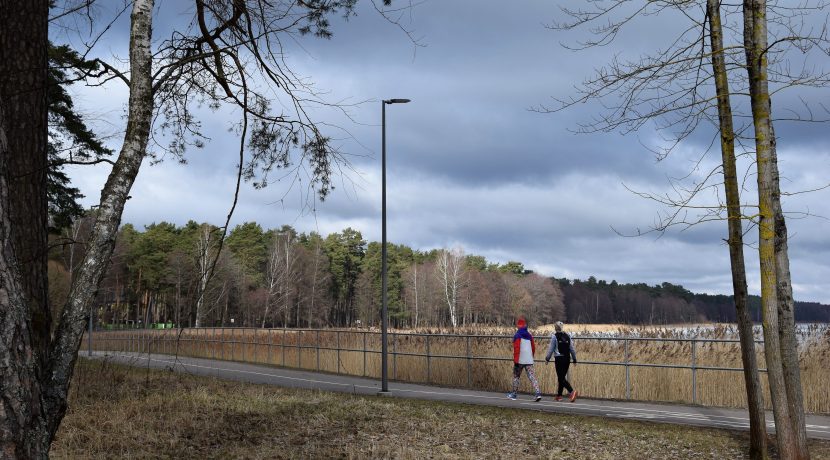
x=551, y=347
x=532, y=346
x=517, y=348
x=573, y=350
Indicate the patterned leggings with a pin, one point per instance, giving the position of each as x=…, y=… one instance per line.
x=531, y=374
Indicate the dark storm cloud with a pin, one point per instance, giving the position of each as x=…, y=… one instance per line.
x=469, y=165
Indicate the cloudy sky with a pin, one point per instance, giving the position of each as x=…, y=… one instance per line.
x=470, y=165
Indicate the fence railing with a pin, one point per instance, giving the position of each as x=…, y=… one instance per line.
x=462, y=360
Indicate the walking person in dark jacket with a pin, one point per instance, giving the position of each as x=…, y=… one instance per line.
x=562, y=349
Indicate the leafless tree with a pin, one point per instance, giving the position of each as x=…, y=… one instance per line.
x=450, y=265
x=685, y=86
x=207, y=249
x=281, y=275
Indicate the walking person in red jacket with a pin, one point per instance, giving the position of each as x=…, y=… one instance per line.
x=523, y=350
x=562, y=349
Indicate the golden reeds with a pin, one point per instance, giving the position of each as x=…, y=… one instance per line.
x=483, y=361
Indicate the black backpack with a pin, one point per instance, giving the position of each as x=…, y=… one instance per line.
x=563, y=343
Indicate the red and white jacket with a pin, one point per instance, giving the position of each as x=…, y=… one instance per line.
x=523, y=347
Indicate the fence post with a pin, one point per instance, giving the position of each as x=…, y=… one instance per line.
x=299, y=349
x=394, y=357
x=270, y=345
x=694, y=371
x=469, y=365
x=283, y=345
x=338, y=352
x=429, y=373
x=627, y=373
x=318, y=350
x=364, y=353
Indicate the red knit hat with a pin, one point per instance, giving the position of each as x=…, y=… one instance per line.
x=520, y=323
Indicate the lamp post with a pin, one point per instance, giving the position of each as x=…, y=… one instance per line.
x=385, y=311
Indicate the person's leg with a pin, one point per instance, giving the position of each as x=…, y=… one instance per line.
x=561, y=371
x=517, y=372
x=565, y=383
x=531, y=374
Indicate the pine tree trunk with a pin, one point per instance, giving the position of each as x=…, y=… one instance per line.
x=754, y=394
x=25, y=319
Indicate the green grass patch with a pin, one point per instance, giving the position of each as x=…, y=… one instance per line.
x=124, y=412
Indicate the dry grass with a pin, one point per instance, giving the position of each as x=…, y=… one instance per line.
x=132, y=413
x=316, y=350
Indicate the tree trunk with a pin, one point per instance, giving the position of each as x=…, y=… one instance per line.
x=102, y=238
x=27, y=162
x=415, y=277
x=205, y=271
x=786, y=306
x=25, y=320
x=754, y=394
x=790, y=440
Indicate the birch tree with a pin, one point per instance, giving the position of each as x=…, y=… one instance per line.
x=281, y=274
x=207, y=249
x=450, y=264
x=414, y=277
x=231, y=46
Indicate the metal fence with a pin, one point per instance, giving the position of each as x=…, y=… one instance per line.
x=451, y=355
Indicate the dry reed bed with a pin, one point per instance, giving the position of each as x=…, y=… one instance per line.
x=483, y=361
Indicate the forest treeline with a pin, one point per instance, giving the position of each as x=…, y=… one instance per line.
x=281, y=277
x=599, y=301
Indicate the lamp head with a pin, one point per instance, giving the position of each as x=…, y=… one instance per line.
x=396, y=101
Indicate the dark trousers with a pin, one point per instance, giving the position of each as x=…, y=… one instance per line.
x=562, y=365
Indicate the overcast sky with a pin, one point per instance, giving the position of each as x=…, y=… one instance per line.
x=470, y=165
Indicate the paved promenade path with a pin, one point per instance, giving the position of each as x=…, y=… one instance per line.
x=736, y=419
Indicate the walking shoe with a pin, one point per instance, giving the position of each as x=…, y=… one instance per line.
x=573, y=396
x=538, y=398
x=511, y=396
x=558, y=398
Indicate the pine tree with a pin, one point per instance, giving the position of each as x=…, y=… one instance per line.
x=70, y=139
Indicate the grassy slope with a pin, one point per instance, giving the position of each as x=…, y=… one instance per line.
x=121, y=412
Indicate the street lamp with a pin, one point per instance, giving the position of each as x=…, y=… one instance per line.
x=384, y=312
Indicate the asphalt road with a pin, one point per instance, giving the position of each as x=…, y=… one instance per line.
x=817, y=426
